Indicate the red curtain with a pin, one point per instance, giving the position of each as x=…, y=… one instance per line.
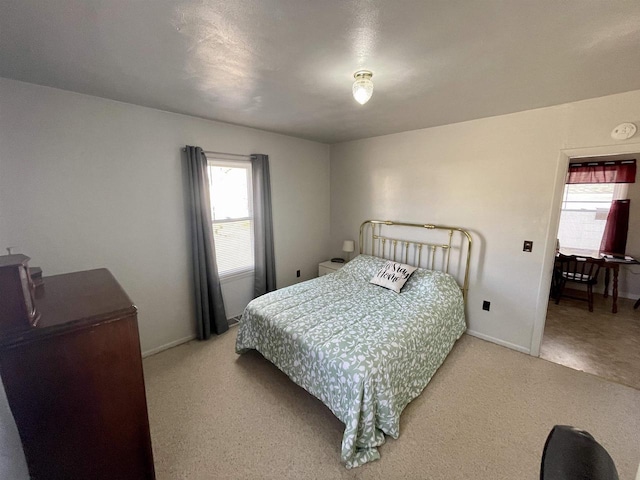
x=614, y=239
x=621, y=171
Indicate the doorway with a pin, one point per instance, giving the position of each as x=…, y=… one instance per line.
x=599, y=342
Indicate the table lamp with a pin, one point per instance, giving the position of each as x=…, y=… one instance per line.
x=348, y=246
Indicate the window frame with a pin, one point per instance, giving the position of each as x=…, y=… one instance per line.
x=620, y=191
x=246, y=165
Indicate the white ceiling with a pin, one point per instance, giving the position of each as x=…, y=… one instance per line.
x=287, y=65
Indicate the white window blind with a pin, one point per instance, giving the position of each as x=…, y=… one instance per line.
x=584, y=214
x=231, y=211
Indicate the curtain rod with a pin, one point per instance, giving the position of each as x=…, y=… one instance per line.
x=602, y=162
x=221, y=153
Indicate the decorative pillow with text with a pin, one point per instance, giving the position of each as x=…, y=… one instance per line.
x=393, y=275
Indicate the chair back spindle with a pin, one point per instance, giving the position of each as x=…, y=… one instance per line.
x=581, y=270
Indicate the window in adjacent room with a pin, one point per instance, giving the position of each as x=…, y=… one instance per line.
x=584, y=214
x=592, y=186
x=231, y=211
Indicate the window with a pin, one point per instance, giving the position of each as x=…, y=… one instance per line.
x=231, y=211
x=584, y=214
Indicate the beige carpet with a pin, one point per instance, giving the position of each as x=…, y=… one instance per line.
x=485, y=415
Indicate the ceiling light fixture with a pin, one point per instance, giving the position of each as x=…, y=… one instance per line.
x=363, y=86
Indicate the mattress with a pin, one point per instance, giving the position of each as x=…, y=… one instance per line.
x=361, y=349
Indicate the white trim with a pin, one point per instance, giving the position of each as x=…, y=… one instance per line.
x=552, y=229
x=229, y=277
x=548, y=258
x=600, y=290
x=237, y=219
x=226, y=162
x=602, y=150
x=167, y=346
x=628, y=295
x=502, y=343
x=248, y=167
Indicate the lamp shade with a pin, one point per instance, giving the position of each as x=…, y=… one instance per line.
x=348, y=246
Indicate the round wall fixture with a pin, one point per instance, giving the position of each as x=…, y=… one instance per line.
x=624, y=131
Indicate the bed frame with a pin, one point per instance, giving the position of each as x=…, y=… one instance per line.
x=437, y=255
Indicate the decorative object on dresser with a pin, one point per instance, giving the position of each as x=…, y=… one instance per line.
x=74, y=380
x=17, y=310
x=329, y=267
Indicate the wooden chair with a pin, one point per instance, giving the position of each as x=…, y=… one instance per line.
x=581, y=270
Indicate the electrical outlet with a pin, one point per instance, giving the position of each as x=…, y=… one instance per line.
x=486, y=305
x=298, y=273
x=528, y=246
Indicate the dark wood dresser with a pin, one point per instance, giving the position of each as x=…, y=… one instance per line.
x=75, y=384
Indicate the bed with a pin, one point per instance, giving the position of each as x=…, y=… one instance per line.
x=363, y=350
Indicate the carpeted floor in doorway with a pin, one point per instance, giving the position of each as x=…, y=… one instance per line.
x=485, y=415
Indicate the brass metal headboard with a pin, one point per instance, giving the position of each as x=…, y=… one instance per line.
x=438, y=254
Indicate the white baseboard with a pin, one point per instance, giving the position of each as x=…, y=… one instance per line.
x=502, y=343
x=175, y=343
x=600, y=290
x=473, y=333
x=239, y=314
x=629, y=295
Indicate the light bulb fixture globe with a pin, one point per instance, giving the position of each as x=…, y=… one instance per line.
x=363, y=86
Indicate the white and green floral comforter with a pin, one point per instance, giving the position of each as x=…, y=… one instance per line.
x=363, y=350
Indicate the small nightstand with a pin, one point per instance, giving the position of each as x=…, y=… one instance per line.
x=329, y=267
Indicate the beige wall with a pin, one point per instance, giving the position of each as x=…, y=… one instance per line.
x=87, y=182
x=589, y=125
x=630, y=276
x=500, y=177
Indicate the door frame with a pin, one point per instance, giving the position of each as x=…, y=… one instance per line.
x=552, y=228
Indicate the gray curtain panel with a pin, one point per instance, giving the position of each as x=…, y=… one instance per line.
x=265, y=269
x=210, y=314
